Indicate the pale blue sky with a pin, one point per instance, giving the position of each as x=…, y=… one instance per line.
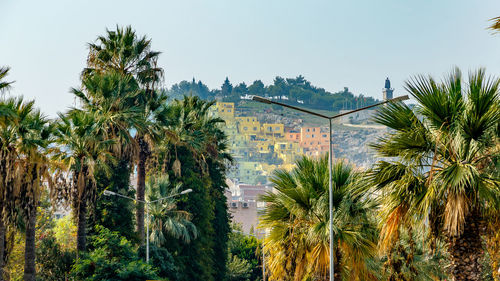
x=332, y=43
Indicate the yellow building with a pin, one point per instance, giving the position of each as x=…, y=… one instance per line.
x=248, y=125
x=225, y=110
x=274, y=130
x=287, y=151
x=264, y=146
x=250, y=172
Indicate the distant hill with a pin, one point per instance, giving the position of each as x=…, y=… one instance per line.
x=295, y=91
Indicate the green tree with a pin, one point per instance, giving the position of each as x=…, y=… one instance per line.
x=238, y=269
x=196, y=157
x=4, y=85
x=26, y=136
x=53, y=262
x=124, y=52
x=84, y=149
x=33, y=139
x=226, y=88
x=8, y=139
x=112, y=212
x=165, y=218
x=246, y=248
x=112, y=258
x=111, y=96
x=257, y=88
x=443, y=175
x=297, y=217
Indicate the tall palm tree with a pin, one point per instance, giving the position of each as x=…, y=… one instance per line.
x=443, y=173
x=24, y=139
x=122, y=51
x=8, y=137
x=35, y=139
x=165, y=218
x=297, y=216
x=83, y=150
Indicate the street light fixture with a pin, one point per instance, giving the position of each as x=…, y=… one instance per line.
x=111, y=193
x=330, y=118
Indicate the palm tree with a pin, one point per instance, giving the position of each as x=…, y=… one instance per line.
x=83, y=150
x=24, y=139
x=35, y=138
x=122, y=51
x=8, y=139
x=297, y=217
x=495, y=26
x=443, y=173
x=4, y=110
x=4, y=71
x=165, y=218
x=191, y=126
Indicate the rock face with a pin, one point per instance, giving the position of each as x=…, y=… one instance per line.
x=466, y=250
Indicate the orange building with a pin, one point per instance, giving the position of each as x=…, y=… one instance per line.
x=292, y=136
x=313, y=141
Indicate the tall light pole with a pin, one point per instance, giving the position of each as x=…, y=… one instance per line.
x=329, y=118
x=147, y=203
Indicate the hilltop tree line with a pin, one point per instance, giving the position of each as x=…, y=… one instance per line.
x=296, y=91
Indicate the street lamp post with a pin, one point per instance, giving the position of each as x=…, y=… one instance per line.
x=329, y=118
x=147, y=203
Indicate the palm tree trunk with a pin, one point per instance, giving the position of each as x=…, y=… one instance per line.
x=2, y=243
x=29, y=250
x=466, y=250
x=337, y=264
x=141, y=186
x=81, y=236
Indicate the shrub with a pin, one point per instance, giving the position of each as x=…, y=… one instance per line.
x=113, y=258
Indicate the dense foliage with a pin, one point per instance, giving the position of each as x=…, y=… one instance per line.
x=429, y=210
x=244, y=255
x=295, y=91
x=443, y=173
x=113, y=258
x=297, y=217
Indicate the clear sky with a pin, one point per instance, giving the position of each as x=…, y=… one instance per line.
x=334, y=44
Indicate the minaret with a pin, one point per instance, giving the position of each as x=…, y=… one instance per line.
x=387, y=91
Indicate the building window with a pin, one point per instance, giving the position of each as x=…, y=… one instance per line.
x=324, y=136
x=312, y=135
x=307, y=136
x=255, y=128
x=314, y=129
x=307, y=130
x=229, y=110
x=245, y=128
